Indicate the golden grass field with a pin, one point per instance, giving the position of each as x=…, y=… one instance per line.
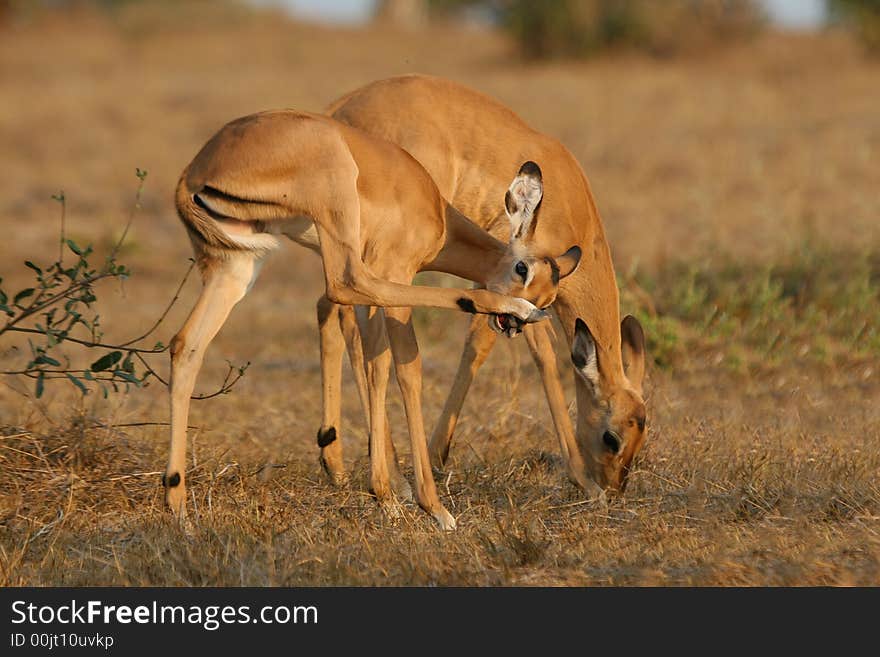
x=739, y=191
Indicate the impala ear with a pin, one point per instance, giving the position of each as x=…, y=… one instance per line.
x=569, y=261
x=632, y=351
x=522, y=200
x=584, y=355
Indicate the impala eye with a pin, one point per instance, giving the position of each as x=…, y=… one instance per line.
x=522, y=269
x=612, y=441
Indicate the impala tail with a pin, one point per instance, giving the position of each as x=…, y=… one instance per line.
x=224, y=221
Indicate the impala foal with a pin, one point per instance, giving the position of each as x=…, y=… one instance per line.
x=526, y=277
x=376, y=218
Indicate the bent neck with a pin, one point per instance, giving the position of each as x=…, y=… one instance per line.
x=468, y=251
x=591, y=293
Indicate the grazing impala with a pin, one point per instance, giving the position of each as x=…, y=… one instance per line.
x=376, y=218
x=468, y=142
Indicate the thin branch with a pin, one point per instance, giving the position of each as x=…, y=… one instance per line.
x=54, y=298
x=111, y=425
x=63, y=201
x=142, y=176
x=167, y=309
x=135, y=475
x=225, y=387
x=150, y=370
x=35, y=307
x=98, y=345
x=62, y=374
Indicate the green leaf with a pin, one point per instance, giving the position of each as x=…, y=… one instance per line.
x=28, y=263
x=43, y=359
x=77, y=383
x=40, y=385
x=24, y=294
x=73, y=247
x=106, y=361
x=3, y=298
x=125, y=376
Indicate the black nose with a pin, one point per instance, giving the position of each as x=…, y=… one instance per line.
x=612, y=441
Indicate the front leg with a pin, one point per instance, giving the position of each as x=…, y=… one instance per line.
x=540, y=341
x=477, y=347
x=351, y=283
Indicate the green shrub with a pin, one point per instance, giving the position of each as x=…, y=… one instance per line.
x=864, y=17
x=56, y=310
x=812, y=304
x=578, y=28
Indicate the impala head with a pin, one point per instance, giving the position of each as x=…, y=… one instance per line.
x=611, y=434
x=522, y=273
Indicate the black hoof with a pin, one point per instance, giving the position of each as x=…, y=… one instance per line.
x=326, y=437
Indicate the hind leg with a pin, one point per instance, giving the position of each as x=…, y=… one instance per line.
x=332, y=346
x=225, y=282
x=408, y=366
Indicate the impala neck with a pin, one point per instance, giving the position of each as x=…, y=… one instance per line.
x=469, y=251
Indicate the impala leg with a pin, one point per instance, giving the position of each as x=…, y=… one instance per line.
x=408, y=366
x=350, y=330
x=377, y=355
x=332, y=346
x=351, y=333
x=540, y=340
x=480, y=340
x=225, y=282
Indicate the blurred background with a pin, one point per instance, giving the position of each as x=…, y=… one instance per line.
x=731, y=144
x=733, y=147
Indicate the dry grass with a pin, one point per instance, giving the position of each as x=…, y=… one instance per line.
x=739, y=193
